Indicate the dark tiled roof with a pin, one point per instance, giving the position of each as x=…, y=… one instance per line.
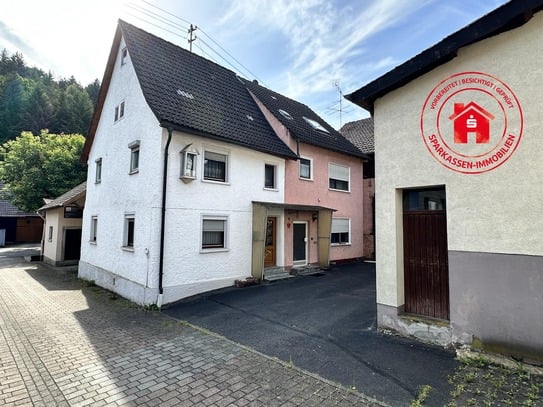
x=67, y=198
x=360, y=133
x=7, y=209
x=511, y=15
x=298, y=127
x=193, y=94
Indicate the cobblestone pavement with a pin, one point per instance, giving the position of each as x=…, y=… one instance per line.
x=63, y=343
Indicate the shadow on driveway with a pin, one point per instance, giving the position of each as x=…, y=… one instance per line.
x=326, y=324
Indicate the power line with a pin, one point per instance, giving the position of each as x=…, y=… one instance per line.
x=157, y=26
x=239, y=68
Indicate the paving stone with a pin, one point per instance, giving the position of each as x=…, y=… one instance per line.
x=65, y=344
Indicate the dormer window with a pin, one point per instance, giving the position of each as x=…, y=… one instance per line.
x=119, y=111
x=124, y=55
x=315, y=124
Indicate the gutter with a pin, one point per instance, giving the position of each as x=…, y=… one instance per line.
x=163, y=220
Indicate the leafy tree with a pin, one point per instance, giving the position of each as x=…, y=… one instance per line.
x=43, y=166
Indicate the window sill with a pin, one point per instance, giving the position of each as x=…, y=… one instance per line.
x=271, y=189
x=210, y=181
x=97, y=182
x=127, y=248
x=133, y=172
x=339, y=244
x=340, y=190
x=93, y=242
x=305, y=179
x=204, y=251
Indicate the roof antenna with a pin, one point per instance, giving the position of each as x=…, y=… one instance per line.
x=336, y=84
x=191, y=38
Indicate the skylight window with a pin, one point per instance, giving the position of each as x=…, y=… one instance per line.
x=185, y=94
x=250, y=117
x=286, y=114
x=316, y=125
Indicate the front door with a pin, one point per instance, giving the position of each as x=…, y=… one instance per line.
x=426, y=263
x=269, y=252
x=300, y=243
x=72, y=244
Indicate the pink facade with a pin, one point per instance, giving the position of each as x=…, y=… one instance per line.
x=347, y=205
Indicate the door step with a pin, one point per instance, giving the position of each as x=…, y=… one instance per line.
x=275, y=273
x=306, y=270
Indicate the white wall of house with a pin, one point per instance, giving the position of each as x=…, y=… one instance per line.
x=52, y=246
x=132, y=273
x=189, y=269
x=497, y=213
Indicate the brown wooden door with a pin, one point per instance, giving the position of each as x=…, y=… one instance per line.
x=269, y=252
x=426, y=265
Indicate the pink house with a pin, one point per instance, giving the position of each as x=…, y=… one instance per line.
x=322, y=217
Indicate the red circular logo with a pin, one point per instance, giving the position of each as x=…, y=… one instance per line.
x=471, y=122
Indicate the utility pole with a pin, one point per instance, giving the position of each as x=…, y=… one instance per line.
x=191, y=38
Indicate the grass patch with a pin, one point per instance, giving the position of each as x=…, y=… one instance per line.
x=478, y=382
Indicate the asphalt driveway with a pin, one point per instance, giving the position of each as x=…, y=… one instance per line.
x=326, y=324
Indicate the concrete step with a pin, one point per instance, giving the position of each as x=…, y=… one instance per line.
x=276, y=273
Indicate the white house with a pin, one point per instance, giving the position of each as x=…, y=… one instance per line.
x=179, y=157
x=458, y=142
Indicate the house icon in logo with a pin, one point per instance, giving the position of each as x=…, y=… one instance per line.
x=471, y=119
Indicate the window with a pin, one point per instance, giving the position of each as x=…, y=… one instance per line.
x=215, y=166
x=119, y=111
x=134, y=156
x=94, y=227
x=285, y=114
x=305, y=168
x=50, y=237
x=269, y=176
x=338, y=177
x=73, y=211
x=214, y=233
x=124, y=55
x=315, y=124
x=128, y=238
x=340, y=231
x=98, y=177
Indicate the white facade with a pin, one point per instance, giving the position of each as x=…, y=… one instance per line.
x=134, y=271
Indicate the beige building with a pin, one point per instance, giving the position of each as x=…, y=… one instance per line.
x=458, y=143
x=61, y=242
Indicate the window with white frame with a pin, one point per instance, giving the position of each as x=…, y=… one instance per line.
x=340, y=231
x=119, y=111
x=215, y=166
x=129, y=228
x=338, y=177
x=50, y=236
x=214, y=232
x=269, y=176
x=306, y=168
x=93, y=228
x=124, y=55
x=98, y=173
x=134, y=156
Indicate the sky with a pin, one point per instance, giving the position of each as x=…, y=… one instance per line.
x=308, y=50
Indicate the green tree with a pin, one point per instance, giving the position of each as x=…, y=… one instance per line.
x=43, y=166
x=75, y=110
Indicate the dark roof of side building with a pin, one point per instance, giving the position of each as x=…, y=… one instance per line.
x=293, y=115
x=7, y=209
x=67, y=198
x=511, y=15
x=360, y=133
x=189, y=93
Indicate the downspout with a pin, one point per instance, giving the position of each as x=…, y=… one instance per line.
x=163, y=220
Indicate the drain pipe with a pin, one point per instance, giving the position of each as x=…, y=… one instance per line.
x=163, y=220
